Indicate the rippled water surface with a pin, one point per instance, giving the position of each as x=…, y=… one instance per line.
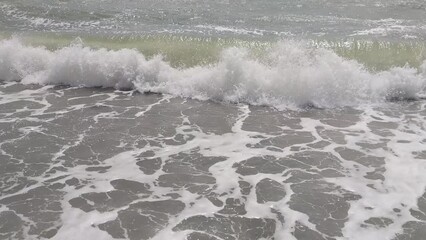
x=386, y=19
x=213, y=120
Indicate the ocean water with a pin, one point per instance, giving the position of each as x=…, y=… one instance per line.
x=208, y=120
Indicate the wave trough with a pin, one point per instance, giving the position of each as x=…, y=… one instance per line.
x=290, y=74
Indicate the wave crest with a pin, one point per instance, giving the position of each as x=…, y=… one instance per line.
x=290, y=73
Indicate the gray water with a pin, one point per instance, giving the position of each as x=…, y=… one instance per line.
x=213, y=120
x=386, y=19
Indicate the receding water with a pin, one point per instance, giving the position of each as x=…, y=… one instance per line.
x=207, y=120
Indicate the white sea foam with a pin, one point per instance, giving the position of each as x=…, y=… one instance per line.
x=292, y=73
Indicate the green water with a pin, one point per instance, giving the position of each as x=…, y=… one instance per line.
x=183, y=51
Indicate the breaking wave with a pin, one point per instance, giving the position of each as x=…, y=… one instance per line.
x=290, y=73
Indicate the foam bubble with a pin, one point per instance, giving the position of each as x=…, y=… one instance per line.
x=291, y=73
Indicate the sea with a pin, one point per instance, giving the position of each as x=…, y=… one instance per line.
x=213, y=119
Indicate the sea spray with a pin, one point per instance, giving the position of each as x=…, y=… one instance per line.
x=289, y=74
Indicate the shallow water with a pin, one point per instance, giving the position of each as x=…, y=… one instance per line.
x=207, y=120
x=98, y=163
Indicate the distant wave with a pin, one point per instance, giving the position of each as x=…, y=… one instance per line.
x=289, y=74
